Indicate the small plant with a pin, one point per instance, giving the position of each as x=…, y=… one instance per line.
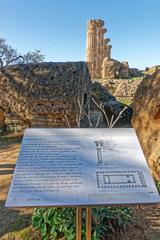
x=126, y=101
x=54, y=223
x=157, y=185
x=59, y=223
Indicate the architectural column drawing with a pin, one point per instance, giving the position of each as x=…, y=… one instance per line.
x=99, y=145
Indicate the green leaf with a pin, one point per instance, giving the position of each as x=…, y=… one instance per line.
x=43, y=229
x=53, y=230
x=45, y=238
x=36, y=221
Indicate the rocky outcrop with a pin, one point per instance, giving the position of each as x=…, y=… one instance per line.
x=43, y=94
x=146, y=119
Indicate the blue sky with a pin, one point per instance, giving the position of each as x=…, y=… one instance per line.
x=58, y=28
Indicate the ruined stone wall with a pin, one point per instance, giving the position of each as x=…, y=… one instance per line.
x=41, y=95
x=124, y=70
x=122, y=89
x=112, y=69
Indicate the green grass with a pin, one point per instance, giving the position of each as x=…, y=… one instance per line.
x=136, y=78
x=127, y=102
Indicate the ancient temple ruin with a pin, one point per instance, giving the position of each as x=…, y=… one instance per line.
x=97, y=47
x=98, y=54
x=48, y=94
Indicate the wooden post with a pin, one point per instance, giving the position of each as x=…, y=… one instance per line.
x=88, y=223
x=78, y=223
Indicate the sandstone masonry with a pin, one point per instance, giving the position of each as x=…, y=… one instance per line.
x=146, y=119
x=43, y=94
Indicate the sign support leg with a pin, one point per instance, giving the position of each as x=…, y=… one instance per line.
x=88, y=223
x=78, y=223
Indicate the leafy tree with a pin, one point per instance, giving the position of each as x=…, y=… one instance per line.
x=10, y=56
x=33, y=57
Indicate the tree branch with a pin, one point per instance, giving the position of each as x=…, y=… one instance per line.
x=102, y=109
x=119, y=116
x=67, y=121
x=1, y=63
x=89, y=120
x=15, y=59
x=2, y=54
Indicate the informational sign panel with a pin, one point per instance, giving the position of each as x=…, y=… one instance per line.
x=76, y=167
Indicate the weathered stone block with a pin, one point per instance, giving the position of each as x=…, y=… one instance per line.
x=146, y=119
x=34, y=92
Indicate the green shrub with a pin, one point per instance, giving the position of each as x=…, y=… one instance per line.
x=59, y=223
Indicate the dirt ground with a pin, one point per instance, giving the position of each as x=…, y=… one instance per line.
x=146, y=224
x=10, y=219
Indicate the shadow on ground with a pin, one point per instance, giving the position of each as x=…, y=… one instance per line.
x=9, y=170
x=13, y=219
x=8, y=140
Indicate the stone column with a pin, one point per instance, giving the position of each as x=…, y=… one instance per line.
x=99, y=42
x=106, y=48
x=109, y=51
x=97, y=47
x=90, y=47
x=101, y=54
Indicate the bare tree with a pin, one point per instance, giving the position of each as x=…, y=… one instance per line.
x=8, y=55
x=80, y=116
